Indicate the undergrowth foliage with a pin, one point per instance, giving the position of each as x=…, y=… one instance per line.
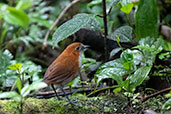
x=24, y=23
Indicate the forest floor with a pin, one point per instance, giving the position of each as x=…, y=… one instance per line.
x=108, y=104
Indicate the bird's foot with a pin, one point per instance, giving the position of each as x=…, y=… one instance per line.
x=72, y=103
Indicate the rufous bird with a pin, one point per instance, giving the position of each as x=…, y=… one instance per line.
x=65, y=68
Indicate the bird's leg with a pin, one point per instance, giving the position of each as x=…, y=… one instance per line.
x=67, y=97
x=55, y=92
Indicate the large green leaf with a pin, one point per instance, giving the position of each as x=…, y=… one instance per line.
x=113, y=69
x=24, y=4
x=68, y=28
x=138, y=77
x=147, y=19
x=124, y=33
x=16, y=17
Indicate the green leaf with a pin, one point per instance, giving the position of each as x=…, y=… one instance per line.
x=94, y=2
x=114, y=2
x=25, y=91
x=113, y=69
x=19, y=84
x=138, y=77
x=68, y=28
x=127, y=59
x=40, y=21
x=124, y=33
x=24, y=4
x=118, y=89
x=16, y=17
x=147, y=19
x=37, y=86
x=10, y=94
x=15, y=67
x=74, y=82
x=167, y=104
x=34, y=86
x=127, y=8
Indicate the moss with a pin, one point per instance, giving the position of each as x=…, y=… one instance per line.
x=154, y=103
x=107, y=104
x=9, y=107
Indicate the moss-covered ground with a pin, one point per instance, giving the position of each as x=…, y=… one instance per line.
x=94, y=105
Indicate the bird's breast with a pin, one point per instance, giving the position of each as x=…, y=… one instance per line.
x=80, y=61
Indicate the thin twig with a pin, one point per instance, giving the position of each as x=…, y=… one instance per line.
x=105, y=29
x=56, y=22
x=101, y=89
x=157, y=93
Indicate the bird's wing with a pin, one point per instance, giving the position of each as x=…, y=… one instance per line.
x=58, y=73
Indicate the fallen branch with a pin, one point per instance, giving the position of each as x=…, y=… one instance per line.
x=50, y=94
x=56, y=22
x=155, y=94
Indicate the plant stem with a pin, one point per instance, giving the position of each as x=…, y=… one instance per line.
x=110, y=87
x=105, y=29
x=21, y=106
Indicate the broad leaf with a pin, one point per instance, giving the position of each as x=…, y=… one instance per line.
x=24, y=4
x=37, y=86
x=147, y=19
x=112, y=3
x=68, y=28
x=124, y=33
x=34, y=86
x=16, y=17
x=113, y=69
x=10, y=94
x=138, y=77
x=25, y=91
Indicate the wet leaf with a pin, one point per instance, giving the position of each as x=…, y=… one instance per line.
x=124, y=33
x=68, y=28
x=113, y=69
x=138, y=77
x=147, y=19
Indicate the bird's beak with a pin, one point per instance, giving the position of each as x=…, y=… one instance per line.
x=84, y=47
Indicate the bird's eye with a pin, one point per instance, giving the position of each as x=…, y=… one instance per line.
x=78, y=48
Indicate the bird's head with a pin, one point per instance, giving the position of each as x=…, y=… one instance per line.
x=76, y=48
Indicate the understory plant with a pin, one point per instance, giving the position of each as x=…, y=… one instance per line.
x=21, y=89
